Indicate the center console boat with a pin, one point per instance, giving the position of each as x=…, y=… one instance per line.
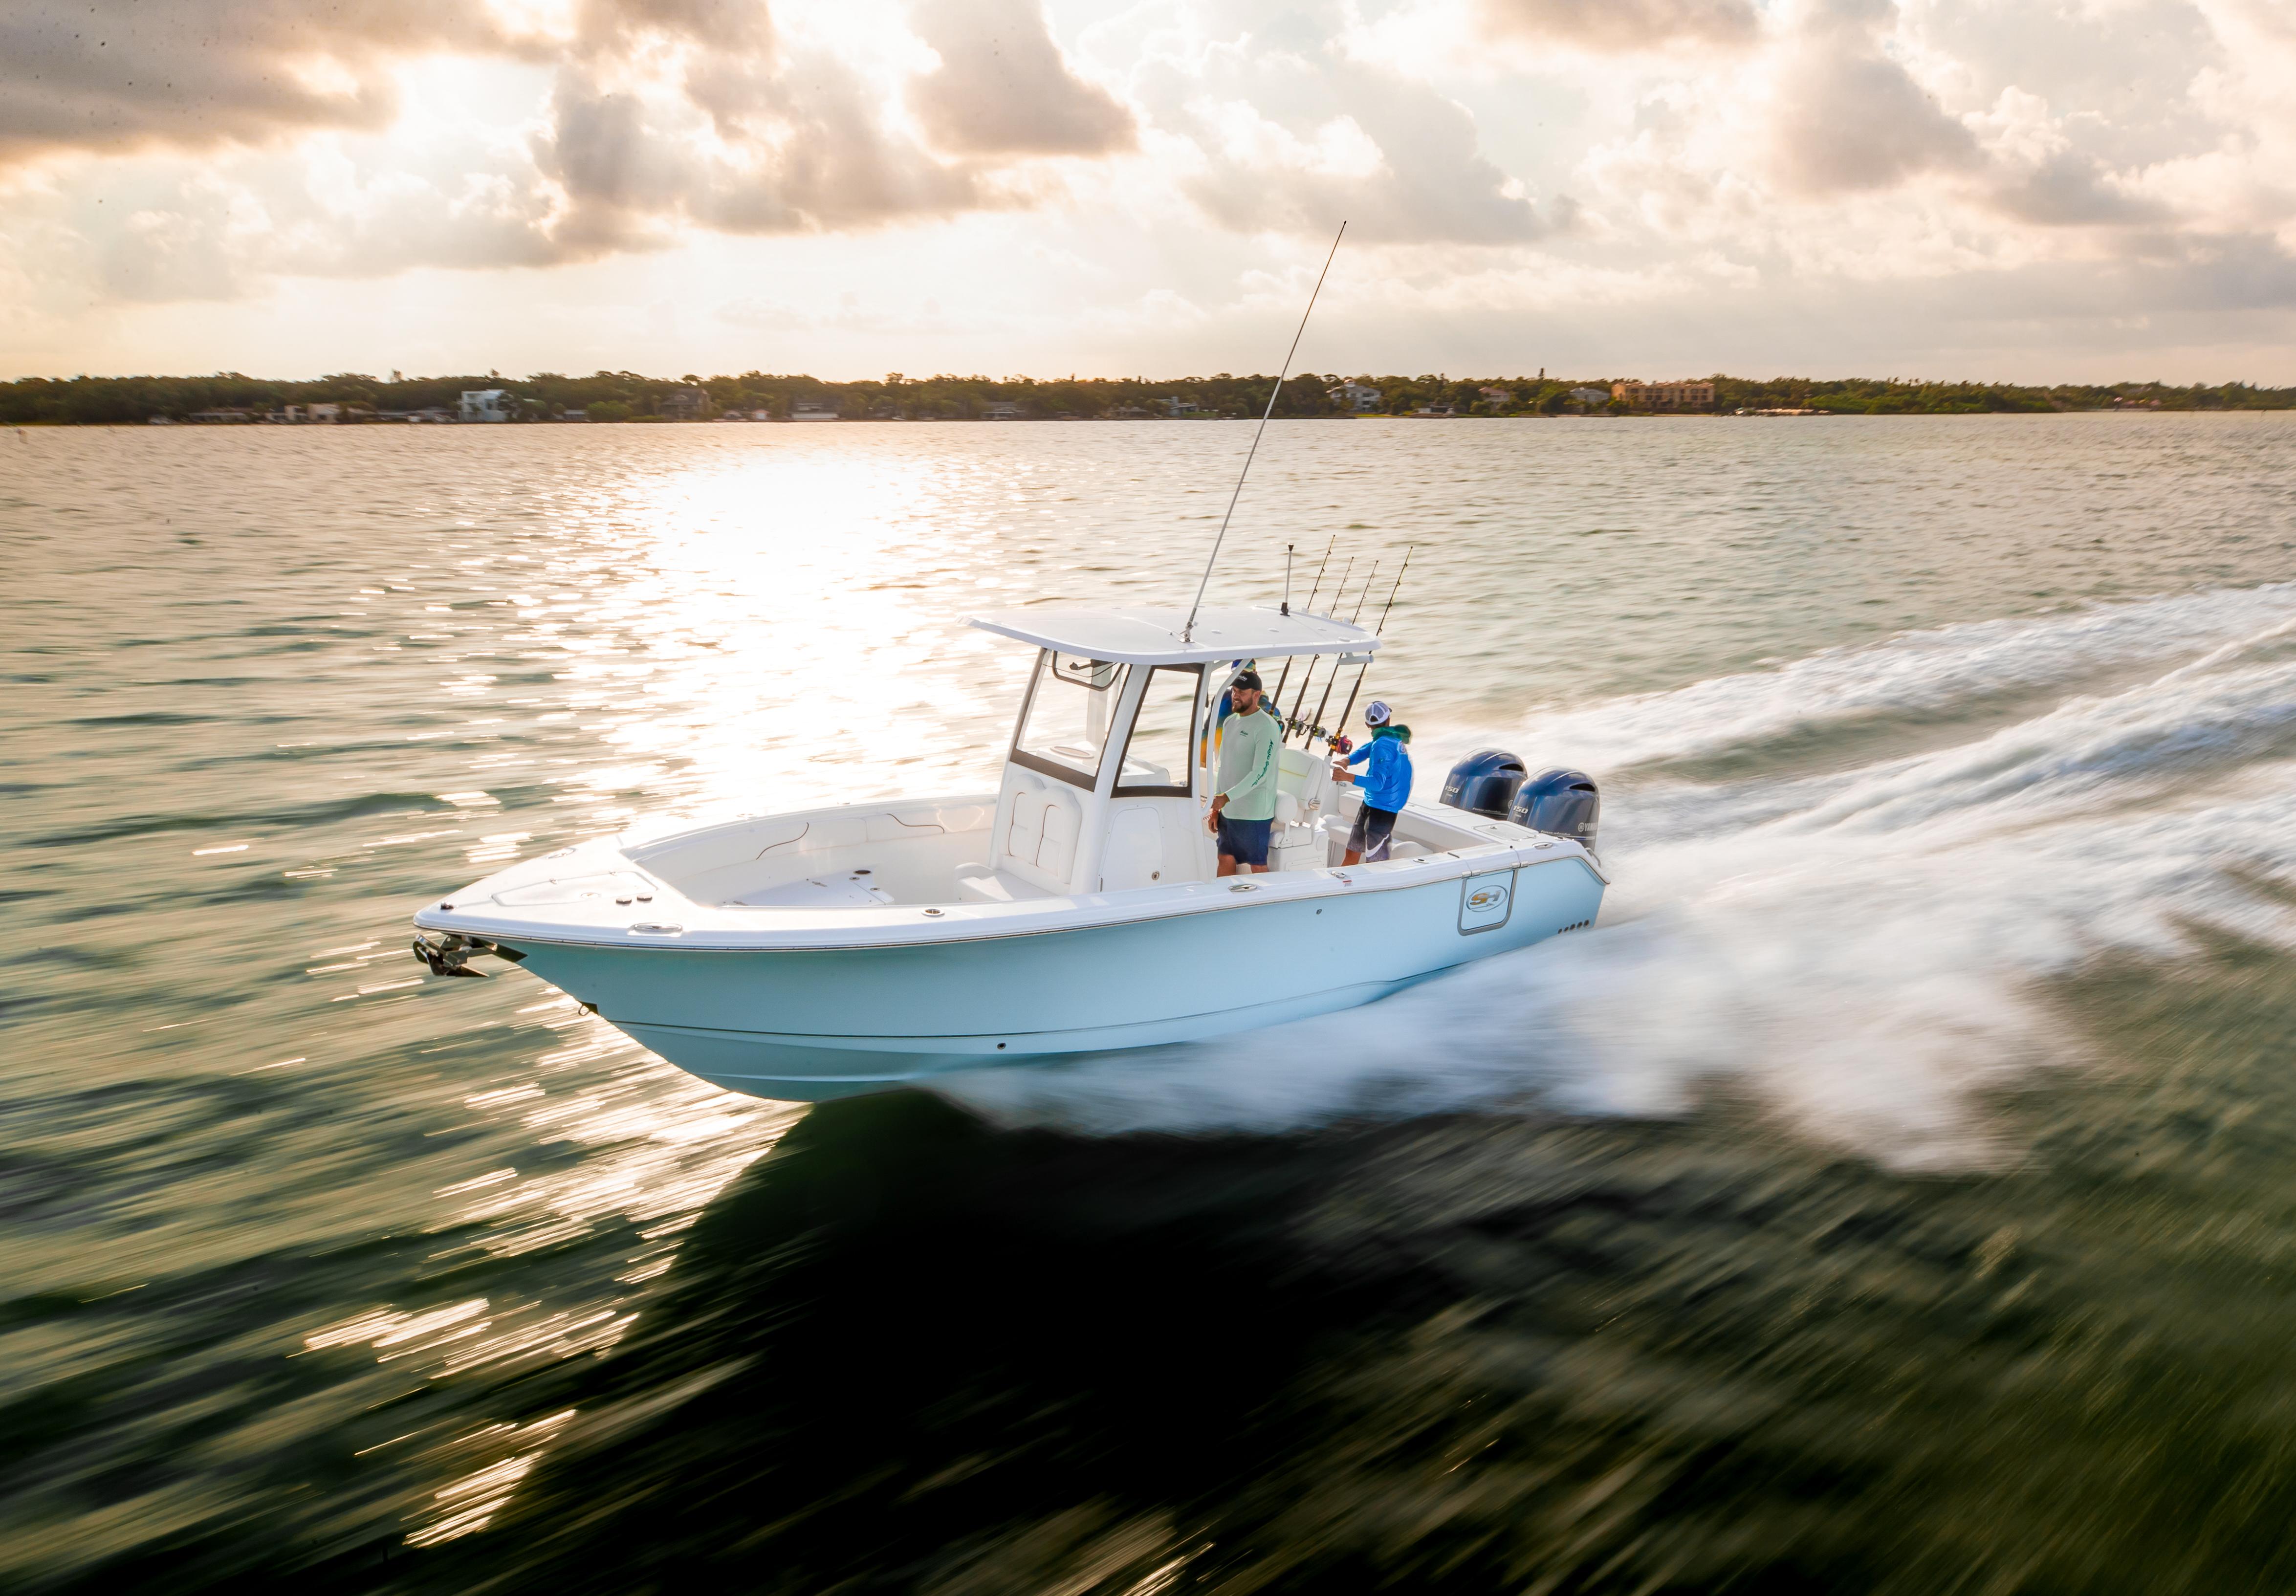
x=1075, y=909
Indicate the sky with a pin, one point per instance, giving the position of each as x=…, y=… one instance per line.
x=1995, y=190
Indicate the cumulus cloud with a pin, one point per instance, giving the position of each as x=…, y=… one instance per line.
x=118, y=74
x=775, y=149
x=1847, y=115
x=1002, y=88
x=1624, y=25
x=1277, y=140
x=662, y=115
x=1503, y=162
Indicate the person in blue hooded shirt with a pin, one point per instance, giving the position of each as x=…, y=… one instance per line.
x=1386, y=784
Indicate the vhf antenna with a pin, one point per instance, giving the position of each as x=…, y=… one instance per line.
x=1188, y=632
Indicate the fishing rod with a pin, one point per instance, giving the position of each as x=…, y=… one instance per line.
x=1188, y=632
x=1308, y=680
x=1278, y=699
x=1332, y=680
x=1376, y=631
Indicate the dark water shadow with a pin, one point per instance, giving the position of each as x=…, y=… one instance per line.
x=909, y=1351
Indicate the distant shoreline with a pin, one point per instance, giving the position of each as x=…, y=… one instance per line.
x=232, y=398
x=894, y=420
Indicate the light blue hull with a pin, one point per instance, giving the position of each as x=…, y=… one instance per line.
x=807, y=1024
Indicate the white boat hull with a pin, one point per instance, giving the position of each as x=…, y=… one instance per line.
x=813, y=1023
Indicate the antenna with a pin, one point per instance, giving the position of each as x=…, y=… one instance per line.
x=1188, y=632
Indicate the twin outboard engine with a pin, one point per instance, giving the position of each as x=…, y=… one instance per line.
x=1561, y=803
x=1494, y=782
x=1484, y=782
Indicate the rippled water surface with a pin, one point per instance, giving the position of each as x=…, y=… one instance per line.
x=1893, y=1192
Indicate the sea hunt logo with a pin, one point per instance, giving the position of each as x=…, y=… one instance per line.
x=1485, y=901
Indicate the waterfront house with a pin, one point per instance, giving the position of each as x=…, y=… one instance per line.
x=1665, y=396
x=1358, y=397
x=812, y=409
x=485, y=405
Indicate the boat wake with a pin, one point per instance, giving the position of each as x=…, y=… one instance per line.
x=1850, y=884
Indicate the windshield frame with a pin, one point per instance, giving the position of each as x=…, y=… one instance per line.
x=1187, y=786
x=1047, y=664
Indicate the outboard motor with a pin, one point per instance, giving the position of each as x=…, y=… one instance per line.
x=1561, y=803
x=1484, y=782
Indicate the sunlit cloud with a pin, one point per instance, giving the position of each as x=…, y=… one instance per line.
x=944, y=184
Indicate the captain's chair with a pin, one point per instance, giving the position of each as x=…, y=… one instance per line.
x=1303, y=788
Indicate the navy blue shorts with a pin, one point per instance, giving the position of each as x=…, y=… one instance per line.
x=1373, y=830
x=1245, y=841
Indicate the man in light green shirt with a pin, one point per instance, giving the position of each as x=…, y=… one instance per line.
x=1243, y=806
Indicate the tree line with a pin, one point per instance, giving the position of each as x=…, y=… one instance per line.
x=630, y=396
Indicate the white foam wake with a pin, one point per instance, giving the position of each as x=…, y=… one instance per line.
x=1868, y=949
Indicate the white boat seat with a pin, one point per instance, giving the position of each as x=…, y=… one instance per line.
x=1040, y=838
x=981, y=884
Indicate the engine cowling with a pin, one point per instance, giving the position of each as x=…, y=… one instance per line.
x=1561, y=803
x=1484, y=782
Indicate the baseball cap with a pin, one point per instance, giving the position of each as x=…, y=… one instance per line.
x=1376, y=713
x=1247, y=678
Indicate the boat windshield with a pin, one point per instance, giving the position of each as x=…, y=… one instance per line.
x=1156, y=756
x=1064, y=728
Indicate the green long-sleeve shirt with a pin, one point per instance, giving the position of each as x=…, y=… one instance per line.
x=1248, y=767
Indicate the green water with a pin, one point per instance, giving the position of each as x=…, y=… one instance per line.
x=1888, y=1195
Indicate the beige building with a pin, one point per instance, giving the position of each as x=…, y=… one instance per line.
x=1665, y=396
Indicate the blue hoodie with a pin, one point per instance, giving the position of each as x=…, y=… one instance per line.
x=1387, y=782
